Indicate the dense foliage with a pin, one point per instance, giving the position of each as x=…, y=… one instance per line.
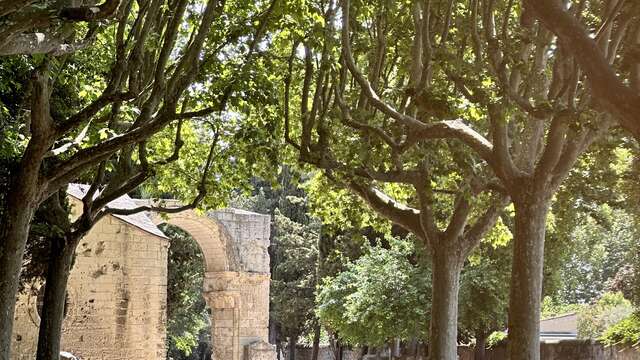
x=188, y=319
x=295, y=262
x=433, y=114
x=594, y=320
x=379, y=297
x=626, y=332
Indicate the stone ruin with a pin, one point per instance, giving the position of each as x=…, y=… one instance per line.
x=236, y=285
x=116, y=298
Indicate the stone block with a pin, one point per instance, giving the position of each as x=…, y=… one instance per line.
x=259, y=350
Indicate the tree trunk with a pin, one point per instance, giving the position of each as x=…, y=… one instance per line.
x=23, y=197
x=481, y=346
x=443, y=337
x=278, y=349
x=526, y=276
x=22, y=201
x=293, y=340
x=53, y=307
x=316, y=342
x=363, y=352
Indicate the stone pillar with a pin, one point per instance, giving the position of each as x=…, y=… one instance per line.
x=259, y=350
x=239, y=303
x=239, y=296
x=224, y=324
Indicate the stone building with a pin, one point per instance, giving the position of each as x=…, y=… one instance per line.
x=116, y=297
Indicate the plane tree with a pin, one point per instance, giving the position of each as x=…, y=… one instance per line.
x=437, y=191
x=397, y=98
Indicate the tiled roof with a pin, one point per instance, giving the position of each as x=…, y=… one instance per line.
x=139, y=220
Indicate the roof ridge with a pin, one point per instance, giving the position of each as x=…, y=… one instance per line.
x=560, y=316
x=139, y=220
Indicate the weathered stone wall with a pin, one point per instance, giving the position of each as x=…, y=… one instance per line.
x=239, y=298
x=116, y=298
x=239, y=311
x=566, y=350
x=249, y=234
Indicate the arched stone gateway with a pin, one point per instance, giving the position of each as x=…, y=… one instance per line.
x=236, y=286
x=117, y=289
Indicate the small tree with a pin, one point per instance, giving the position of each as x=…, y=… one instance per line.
x=294, y=277
x=378, y=298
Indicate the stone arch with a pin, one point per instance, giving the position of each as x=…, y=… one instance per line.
x=209, y=234
x=236, y=285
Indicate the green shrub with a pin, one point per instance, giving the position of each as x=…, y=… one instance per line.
x=626, y=332
x=379, y=297
x=551, y=308
x=496, y=338
x=608, y=310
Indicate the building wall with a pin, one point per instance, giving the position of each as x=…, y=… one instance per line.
x=116, y=298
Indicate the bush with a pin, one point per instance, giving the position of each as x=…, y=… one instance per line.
x=551, y=308
x=496, y=338
x=626, y=332
x=379, y=297
x=610, y=309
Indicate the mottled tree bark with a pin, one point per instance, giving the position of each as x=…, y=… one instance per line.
x=62, y=251
x=53, y=308
x=23, y=197
x=446, y=267
x=293, y=341
x=14, y=226
x=480, y=351
x=531, y=209
x=316, y=342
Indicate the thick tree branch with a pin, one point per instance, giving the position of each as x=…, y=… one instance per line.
x=458, y=220
x=617, y=98
x=556, y=139
x=287, y=92
x=386, y=206
x=428, y=226
x=474, y=233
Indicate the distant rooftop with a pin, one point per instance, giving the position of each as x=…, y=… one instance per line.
x=139, y=220
x=560, y=327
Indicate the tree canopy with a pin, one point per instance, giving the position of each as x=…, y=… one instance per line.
x=500, y=136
